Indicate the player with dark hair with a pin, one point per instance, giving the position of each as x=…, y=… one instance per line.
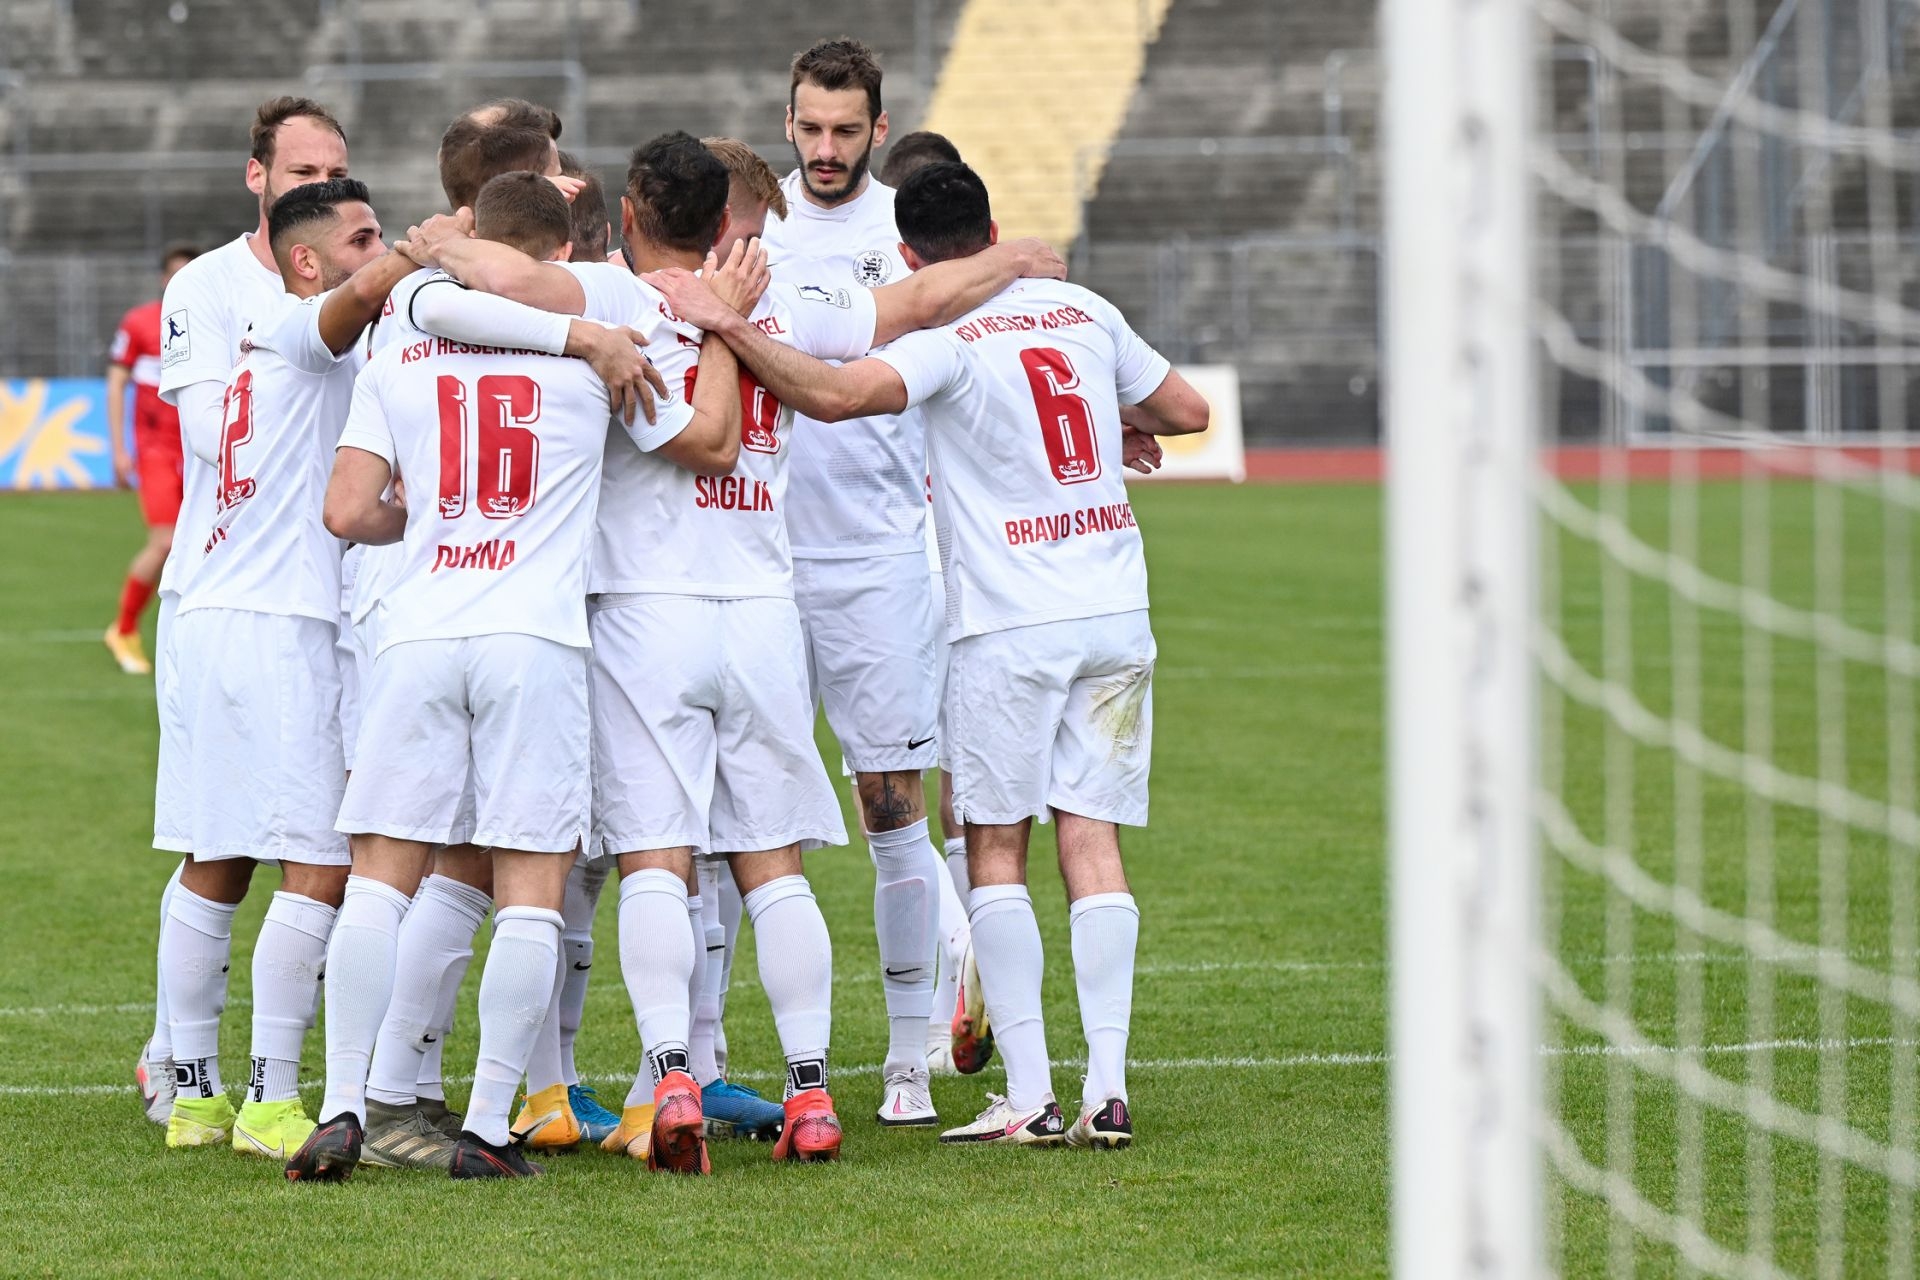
x=858, y=528
x=1049, y=698
x=479, y=682
x=208, y=307
x=155, y=457
x=408, y=1122
x=256, y=680
x=908, y=155
x=592, y=229
x=702, y=738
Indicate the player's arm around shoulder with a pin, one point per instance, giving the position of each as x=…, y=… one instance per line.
x=941, y=292
x=821, y=391
x=349, y=309
x=447, y=242
x=709, y=445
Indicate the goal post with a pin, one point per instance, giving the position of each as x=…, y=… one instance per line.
x=1651, y=343
x=1462, y=431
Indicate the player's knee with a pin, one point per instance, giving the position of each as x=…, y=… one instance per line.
x=889, y=801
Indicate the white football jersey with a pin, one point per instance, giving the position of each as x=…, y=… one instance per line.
x=268, y=551
x=666, y=530
x=373, y=567
x=501, y=452
x=1022, y=400
x=860, y=487
x=208, y=307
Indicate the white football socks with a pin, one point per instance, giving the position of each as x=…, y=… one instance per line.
x=360, y=970
x=906, y=913
x=160, y=1048
x=1006, y=947
x=435, y=947
x=289, y=961
x=796, y=970
x=543, y=1061
x=657, y=960
x=584, y=884
x=730, y=908
x=196, y=942
x=516, y=990
x=1106, y=933
x=956, y=847
x=953, y=936
x=704, y=1065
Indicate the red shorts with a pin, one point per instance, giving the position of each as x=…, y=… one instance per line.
x=156, y=461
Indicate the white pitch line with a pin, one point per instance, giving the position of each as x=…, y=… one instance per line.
x=1361, y=1058
x=88, y=1010
x=50, y=637
x=1167, y=969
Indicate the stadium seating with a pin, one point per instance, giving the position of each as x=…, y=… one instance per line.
x=1235, y=219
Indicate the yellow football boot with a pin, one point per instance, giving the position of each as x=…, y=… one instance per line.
x=546, y=1121
x=634, y=1133
x=128, y=652
x=199, y=1122
x=272, y=1129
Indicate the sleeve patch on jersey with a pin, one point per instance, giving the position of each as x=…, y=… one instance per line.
x=832, y=297
x=174, y=346
x=873, y=268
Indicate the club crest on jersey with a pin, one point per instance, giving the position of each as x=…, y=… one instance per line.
x=174, y=346
x=832, y=297
x=873, y=268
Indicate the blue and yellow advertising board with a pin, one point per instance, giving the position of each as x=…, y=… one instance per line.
x=53, y=434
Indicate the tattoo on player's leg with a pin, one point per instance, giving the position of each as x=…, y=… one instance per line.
x=891, y=809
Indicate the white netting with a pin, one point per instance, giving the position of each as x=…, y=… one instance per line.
x=1727, y=259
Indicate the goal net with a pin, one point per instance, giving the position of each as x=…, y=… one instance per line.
x=1654, y=355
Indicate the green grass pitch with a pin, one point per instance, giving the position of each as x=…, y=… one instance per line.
x=1265, y=849
x=1259, y=1084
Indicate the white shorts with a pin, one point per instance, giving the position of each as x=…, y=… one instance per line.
x=702, y=732
x=259, y=694
x=870, y=632
x=504, y=716
x=1058, y=715
x=172, y=824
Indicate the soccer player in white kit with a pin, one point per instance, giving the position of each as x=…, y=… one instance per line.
x=204, y=313
x=858, y=527
x=1049, y=694
x=255, y=680
x=702, y=740
x=480, y=681
x=406, y=1096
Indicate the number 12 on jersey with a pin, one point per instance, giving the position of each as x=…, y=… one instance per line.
x=500, y=438
x=1066, y=423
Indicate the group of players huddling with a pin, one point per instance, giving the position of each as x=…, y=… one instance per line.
x=504, y=564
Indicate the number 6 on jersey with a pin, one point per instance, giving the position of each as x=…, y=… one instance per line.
x=505, y=450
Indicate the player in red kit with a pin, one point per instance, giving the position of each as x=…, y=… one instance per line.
x=155, y=459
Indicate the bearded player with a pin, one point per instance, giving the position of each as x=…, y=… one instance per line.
x=857, y=521
x=205, y=312
x=257, y=683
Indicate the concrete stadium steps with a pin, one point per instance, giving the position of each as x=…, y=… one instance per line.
x=139, y=39
x=1272, y=291
x=1034, y=94
x=36, y=38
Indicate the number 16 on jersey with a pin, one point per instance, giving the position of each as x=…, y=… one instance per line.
x=505, y=450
